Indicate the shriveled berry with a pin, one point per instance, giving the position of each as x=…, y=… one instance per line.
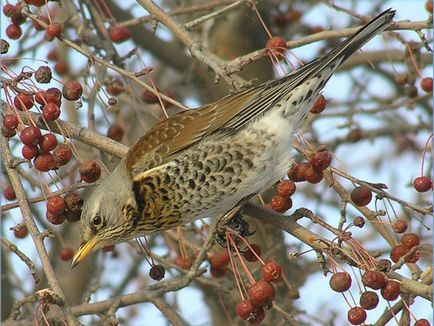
x=157, y=272
x=280, y=204
x=55, y=219
x=89, y=171
x=53, y=95
x=245, y=309
x=43, y=75
x=62, y=154
x=356, y=316
x=400, y=226
x=423, y=322
x=340, y=281
x=422, y=184
x=8, y=133
x=397, y=252
x=50, y=111
x=258, y=316
x=359, y=221
x=427, y=84
x=119, y=34
x=413, y=258
x=361, y=196
x=53, y=31
x=66, y=253
x=44, y=162
x=286, y=188
x=369, y=300
x=10, y=121
x=183, y=262
x=72, y=90
x=9, y=193
x=249, y=255
x=384, y=265
x=4, y=46
x=14, y=32
x=21, y=231
x=220, y=259
x=23, y=101
x=276, y=44
x=271, y=271
x=115, y=87
x=261, y=293
x=320, y=160
x=115, y=132
x=391, y=291
x=73, y=216
x=29, y=152
x=56, y=205
x=149, y=97
x=8, y=9
x=48, y=143
x=31, y=136
x=73, y=202
x=373, y=279
x=410, y=240
x=297, y=172
x=313, y=176
x=319, y=105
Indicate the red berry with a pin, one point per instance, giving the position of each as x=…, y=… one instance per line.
x=149, y=97
x=429, y=7
x=55, y=219
x=61, y=67
x=29, y=152
x=410, y=240
x=37, y=3
x=23, y=101
x=40, y=98
x=400, y=226
x=249, y=255
x=356, y=316
x=14, y=32
x=297, y=172
x=220, y=259
x=258, y=316
x=313, y=176
x=157, y=272
x=280, y=204
x=53, y=95
x=423, y=322
x=8, y=9
x=397, y=252
x=361, y=196
x=115, y=132
x=108, y=248
x=320, y=160
x=391, y=291
x=414, y=257
x=319, y=105
x=56, y=205
x=17, y=17
x=66, y=253
x=72, y=90
x=427, y=84
x=62, y=154
x=53, y=30
x=276, y=44
x=8, y=133
x=48, y=143
x=21, y=231
x=261, y=293
x=119, y=34
x=422, y=184
x=218, y=272
x=183, y=262
x=50, y=111
x=31, y=136
x=90, y=171
x=44, y=162
x=286, y=188
x=38, y=26
x=369, y=300
x=245, y=309
x=340, y=281
x=373, y=279
x=9, y=193
x=10, y=121
x=53, y=55
x=115, y=87
x=271, y=271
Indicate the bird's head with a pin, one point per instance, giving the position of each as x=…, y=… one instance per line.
x=103, y=216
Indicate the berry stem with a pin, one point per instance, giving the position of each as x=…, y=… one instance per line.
x=248, y=246
x=237, y=276
x=424, y=152
x=243, y=264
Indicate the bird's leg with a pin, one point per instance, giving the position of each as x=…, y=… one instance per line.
x=233, y=221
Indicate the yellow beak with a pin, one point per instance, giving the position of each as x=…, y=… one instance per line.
x=84, y=251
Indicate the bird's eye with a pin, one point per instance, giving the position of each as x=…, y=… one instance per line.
x=97, y=220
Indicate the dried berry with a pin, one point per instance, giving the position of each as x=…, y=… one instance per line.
x=21, y=231
x=373, y=279
x=397, y=252
x=319, y=105
x=218, y=272
x=271, y=271
x=43, y=74
x=400, y=226
x=384, y=265
x=14, y=32
x=183, y=262
x=320, y=160
x=31, y=136
x=423, y=322
x=55, y=219
x=356, y=316
x=53, y=31
x=297, y=172
x=62, y=154
x=261, y=293
x=410, y=240
x=157, y=272
x=50, y=111
x=56, y=205
x=10, y=121
x=286, y=188
x=369, y=300
x=391, y=291
x=245, y=309
x=340, y=281
x=115, y=132
x=252, y=256
x=4, y=46
x=72, y=90
x=90, y=171
x=73, y=202
x=48, y=143
x=220, y=259
x=44, y=162
x=276, y=44
x=280, y=204
x=23, y=101
x=313, y=176
x=361, y=196
x=115, y=87
x=29, y=152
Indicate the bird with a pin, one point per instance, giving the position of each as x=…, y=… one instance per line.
x=203, y=162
